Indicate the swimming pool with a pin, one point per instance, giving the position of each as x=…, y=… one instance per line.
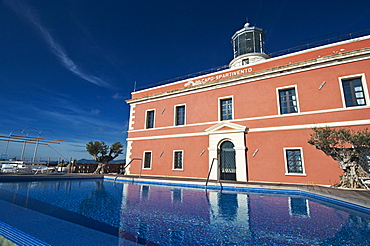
x=102, y=212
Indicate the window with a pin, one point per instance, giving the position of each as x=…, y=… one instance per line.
x=149, y=123
x=147, y=159
x=180, y=115
x=294, y=161
x=226, y=109
x=365, y=160
x=353, y=92
x=177, y=195
x=245, y=61
x=177, y=159
x=288, y=101
x=145, y=191
x=298, y=207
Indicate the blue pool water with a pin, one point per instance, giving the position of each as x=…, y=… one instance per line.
x=84, y=212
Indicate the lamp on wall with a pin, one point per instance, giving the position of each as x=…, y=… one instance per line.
x=202, y=152
x=322, y=85
x=255, y=152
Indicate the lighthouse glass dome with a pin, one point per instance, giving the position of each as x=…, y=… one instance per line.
x=248, y=40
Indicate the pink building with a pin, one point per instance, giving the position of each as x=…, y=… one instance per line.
x=255, y=117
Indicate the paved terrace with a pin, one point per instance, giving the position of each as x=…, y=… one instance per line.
x=357, y=197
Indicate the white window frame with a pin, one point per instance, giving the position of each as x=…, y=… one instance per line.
x=291, y=212
x=219, y=107
x=286, y=162
x=364, y=87
x=182, y=161
x=173, y=195
x=151, y=160
x=142, y=192
x=295, y=87
x=175, y=114
x=146, y=115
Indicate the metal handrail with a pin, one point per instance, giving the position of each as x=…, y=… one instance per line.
x=209, y=173
x=124, y=168
x=188, y=76
x=270, y=54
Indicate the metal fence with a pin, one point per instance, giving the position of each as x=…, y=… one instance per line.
x=91, y=167
x=320, y=43
x=365, y=160
x=270, y=54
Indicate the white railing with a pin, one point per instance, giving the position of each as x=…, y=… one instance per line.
x=209, y=173
x=124, y=168
x=25, y=167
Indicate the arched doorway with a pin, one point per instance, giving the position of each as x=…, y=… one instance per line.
x=222, y=133
x=227, y=161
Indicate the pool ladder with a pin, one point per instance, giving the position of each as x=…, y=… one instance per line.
x=209, y=173
x=124, y=168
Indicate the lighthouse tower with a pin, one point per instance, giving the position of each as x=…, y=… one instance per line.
x=248, y=45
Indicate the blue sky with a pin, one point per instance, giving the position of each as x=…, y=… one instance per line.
x=67, y=67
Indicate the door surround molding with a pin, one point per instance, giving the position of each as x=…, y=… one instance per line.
x=227, y=131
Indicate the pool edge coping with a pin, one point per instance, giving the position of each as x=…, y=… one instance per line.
x=19, y=237
x=16, y=236
x=296, y=190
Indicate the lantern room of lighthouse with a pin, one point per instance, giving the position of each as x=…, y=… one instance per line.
x=248, y=46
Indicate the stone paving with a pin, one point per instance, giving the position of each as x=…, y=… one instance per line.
x=358, y=197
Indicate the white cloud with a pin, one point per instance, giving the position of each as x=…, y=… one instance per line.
x=117, y=96
x=31, y=16
x=82, y=127
x=95, y=111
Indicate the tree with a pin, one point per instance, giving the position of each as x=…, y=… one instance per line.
x=99, y=201
x=103, y=154
x=346, y=147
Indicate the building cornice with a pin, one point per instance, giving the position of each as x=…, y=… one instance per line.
x=265, y=117
x=335, y=59
x=262, y=129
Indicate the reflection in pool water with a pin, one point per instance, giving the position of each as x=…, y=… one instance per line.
x=167, y=215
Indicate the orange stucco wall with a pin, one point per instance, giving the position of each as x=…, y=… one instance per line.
x=268, y=164
x=257, y=99
x=195, y=165
x=256, y=107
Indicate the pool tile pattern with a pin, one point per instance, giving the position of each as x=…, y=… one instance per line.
x=18, y=237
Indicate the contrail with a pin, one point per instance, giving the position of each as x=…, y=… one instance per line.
x=31, y=16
